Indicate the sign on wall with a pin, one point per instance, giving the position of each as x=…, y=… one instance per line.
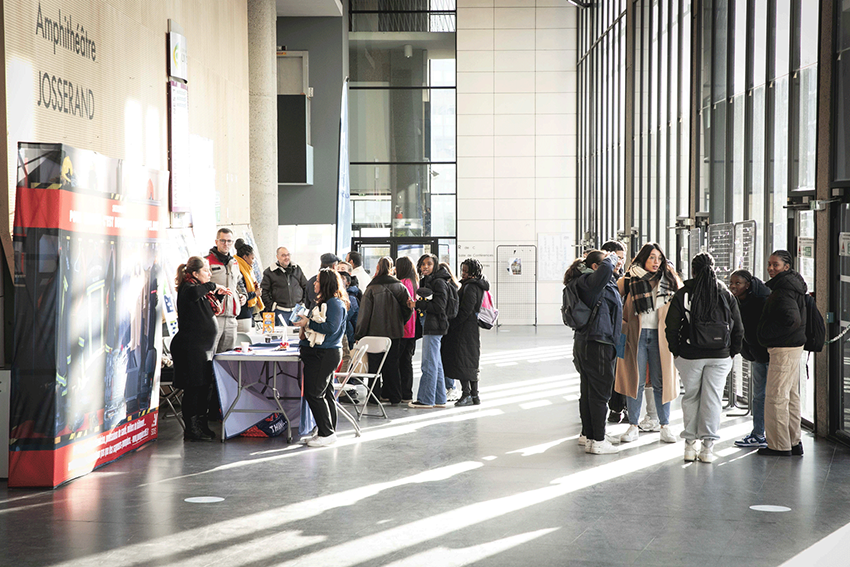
x=178, y=59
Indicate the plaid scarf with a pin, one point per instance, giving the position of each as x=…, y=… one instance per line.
x=645, y=287
x=217, y=306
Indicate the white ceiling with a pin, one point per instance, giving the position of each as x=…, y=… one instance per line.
x=309, y=8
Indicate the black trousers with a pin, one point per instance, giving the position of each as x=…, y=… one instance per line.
x=469, y=387
x=391, y=386
x=195, y=401
x=319, y=366
x=407, y=348
x=595, y=364
x=617, y=403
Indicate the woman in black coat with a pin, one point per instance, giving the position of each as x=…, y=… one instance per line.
x=782, y=330
x=383, y=312
x=461, y=347
x=198, y=302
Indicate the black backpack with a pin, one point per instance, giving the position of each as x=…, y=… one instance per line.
x=452, y=300
x=715, y=333
x=815, y=327
x=575, y=312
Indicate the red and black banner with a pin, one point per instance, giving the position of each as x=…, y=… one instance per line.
x=85, y=376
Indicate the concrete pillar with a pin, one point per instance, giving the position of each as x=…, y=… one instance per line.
x=262, y=137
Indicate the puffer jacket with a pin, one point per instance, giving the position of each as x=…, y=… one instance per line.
x=384, y=310
x=751, y=309
x=592, y=286
x=434, y=309
x=677, y=328
x=783, y=320
x=461, y=348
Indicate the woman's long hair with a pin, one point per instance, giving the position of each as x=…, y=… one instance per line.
x=705, y=292
x=668, y=272
x=192, y=265
x=405, y=270
x=575, y=269
x=384, y=267
x=434, y=260
x=330, y=285
x=452, y=277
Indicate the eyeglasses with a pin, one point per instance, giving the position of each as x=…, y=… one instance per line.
x=223, y=241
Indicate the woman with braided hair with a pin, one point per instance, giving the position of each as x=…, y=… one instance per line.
x=704, y=332
x=461, y=347
x=782, y=330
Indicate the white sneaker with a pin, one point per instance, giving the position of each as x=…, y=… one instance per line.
x=649, y=424
x=453, y=394
x=312, y=435
x=322, y=441
x=667, y=435
x=630, y=435
x=582, y=441
x=690, y=451
x=706, y=455
x=601, y=448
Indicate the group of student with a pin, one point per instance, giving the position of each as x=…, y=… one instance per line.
x=649, y=327
x=218, y=296
x=401, y=302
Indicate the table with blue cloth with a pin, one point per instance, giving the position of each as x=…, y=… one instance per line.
x=254, y=385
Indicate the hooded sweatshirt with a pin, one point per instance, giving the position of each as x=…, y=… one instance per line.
x=783, y=320
x=751, y=308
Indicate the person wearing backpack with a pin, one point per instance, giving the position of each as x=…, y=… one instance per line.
x=461, y=347
x=782, y=330
x=594, y=350
x=453, y=392
x=704, y=332
x=433, y=298
x=751, y=293
x=648, y=287
x=383, y=313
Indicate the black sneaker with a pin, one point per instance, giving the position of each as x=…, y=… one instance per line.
x=464, y=401
x=776, y=453
x=797, y=450
x=614, y=417
x=476, y=401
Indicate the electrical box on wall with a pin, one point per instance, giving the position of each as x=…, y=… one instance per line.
x=294, y=146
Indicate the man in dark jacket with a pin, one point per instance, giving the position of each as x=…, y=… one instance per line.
x=782, y=330
x=283, y=286
x=751, y=294
x=617, y=403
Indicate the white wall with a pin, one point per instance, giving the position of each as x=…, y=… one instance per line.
x=516, y=134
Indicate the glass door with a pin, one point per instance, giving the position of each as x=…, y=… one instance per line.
x=804, y=224
x=373, y=249
x=841, y=349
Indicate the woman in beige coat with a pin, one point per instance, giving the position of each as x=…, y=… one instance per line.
x=647, y=288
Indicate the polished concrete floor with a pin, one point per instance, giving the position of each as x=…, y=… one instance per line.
x=503, y=483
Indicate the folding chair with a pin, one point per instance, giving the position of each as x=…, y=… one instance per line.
x=341, y=381
x=372, y=345
x=168, y=392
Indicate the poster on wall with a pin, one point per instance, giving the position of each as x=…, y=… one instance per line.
x=85, y=377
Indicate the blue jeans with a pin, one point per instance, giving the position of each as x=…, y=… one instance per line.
x=759, y=370
x=432, y=384
x=649, y=357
